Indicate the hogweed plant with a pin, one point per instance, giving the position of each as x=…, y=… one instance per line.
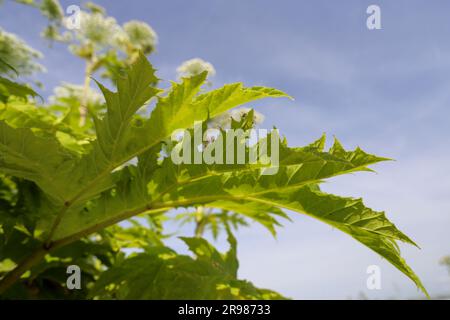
x=88, y=180
x=64, y=192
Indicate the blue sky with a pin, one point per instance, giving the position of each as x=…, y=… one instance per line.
x=384, y=90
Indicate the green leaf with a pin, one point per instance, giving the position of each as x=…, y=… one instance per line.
x=164, y=274
x=230, y=96
x=121, y=136
x=204, y=251
x=262, y=213
x=39, y=159
x=293, y=188
x=133, y=91
x=8, y=66
x=124, y=171
x=22, y=114
x=369, y=227
x=10, y=88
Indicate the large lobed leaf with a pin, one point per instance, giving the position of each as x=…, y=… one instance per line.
x=97, y=192
x=161, y=273
x=121, y=135
x=10, y=88
x=40, y=159
x=245, y=190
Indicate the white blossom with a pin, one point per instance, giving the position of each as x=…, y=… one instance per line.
x=95, y=28
x=141, y=35
x=224, y=120
x=195, y=66
x=237, y=115
x=72, y=92
x=18, y=54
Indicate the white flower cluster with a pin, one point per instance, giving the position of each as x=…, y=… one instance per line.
x=141, y=35
x=18, y=54
x=52, y=9
x=68, y=92
x=100, y=31
x=97, y=29
x=237, y=115
x=195, y=66
x=224, y=120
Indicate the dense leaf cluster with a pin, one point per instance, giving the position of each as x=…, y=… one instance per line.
x=64, y=187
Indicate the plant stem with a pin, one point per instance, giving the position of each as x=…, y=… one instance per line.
x=199, y=222
x=41, y=251
x=21, y=268
x=86, y=86
x=50, y=245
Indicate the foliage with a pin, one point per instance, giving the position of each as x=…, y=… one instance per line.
x=96, y=193
x=16, y=56
x=9, y=88
x=175, y=276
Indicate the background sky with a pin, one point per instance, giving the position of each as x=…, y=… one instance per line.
x=384, y=90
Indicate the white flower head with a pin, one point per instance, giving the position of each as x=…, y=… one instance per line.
x=68, y=91
x=224, y=120
x=121, y=39
x=18, y=54
x=237, y=115
x=195, y=66
x=95, y=28
x=141, y=35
